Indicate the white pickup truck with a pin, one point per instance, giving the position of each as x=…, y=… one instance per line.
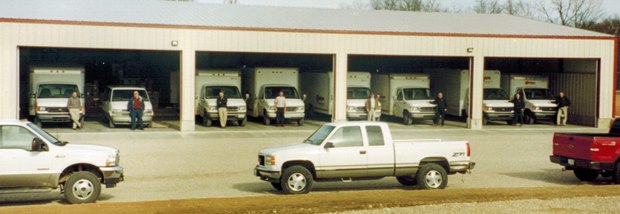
x=31, y=160
x=361, y=150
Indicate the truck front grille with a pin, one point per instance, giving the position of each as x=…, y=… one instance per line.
x=427, y=109
x=361, y=108
x=291, y=109
x=506, y=109
x=548, y=108
x=261, y=160
x=234, y=108
x=57, y=109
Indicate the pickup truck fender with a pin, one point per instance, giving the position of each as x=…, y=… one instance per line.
x=305, y=163
x=66, y=173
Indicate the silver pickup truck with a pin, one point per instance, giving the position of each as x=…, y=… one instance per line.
x=31, y=160
x=361, y=150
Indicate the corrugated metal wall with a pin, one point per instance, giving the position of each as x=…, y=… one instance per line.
x=580, y=88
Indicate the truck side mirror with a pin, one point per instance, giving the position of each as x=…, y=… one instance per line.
x=82, y=95
x=33, y=95
x=38, y=145
x=246, y=96
x=329, y=145
x=303, y=97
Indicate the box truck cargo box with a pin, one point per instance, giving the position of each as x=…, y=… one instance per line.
x=50, y=89
x=405, y=96
x=209, y=83
x=534, y=90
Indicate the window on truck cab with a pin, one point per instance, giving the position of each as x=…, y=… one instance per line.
x=375, y=135
x=399, y=94
x=16, y=137
x=347, y=136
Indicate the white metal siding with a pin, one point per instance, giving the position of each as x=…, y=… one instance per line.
x=580, y=88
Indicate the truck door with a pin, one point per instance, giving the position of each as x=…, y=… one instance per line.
x=399, y=103
x=380, y=157
x=21, y=166
x=348, y=156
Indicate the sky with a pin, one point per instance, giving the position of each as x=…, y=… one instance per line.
x=611, y=7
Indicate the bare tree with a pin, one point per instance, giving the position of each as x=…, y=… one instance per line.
x=575, y=13
x=230, y=1
x=407, y=5
x=357, y=5
x=488, y=6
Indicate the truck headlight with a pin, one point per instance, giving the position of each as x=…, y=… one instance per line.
x=211, y=108
x=112, y=160
x=272, y=108
x=300, y=108
x=241, y=108
x=351, y=108
x=414, y=109
x=270, y=160
x=535, y=108
x=487, y=108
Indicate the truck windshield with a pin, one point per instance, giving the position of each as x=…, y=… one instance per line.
x=319, y=135
x=211, y=92
x=56, y=90
x=358, y=93
x=126, y=94
x=273, y=91
x=495, y=94
x=417, y=94
x=45, y=135
x=538, y=94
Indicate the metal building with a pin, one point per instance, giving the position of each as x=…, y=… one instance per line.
x=187, y=28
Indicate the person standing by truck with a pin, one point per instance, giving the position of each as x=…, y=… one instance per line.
x=372, y=104
x=135, y=106
x=563, y=103
x=519, y=109
x=222, y=104
x=75, y=106
x=280, y=103
x=440, y=110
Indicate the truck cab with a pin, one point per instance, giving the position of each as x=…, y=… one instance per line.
x=115, y=105
x=410, y=103
x=496, y=106
x=264, y=104
x=208, y=85
x=50, y=90
x=539, y=104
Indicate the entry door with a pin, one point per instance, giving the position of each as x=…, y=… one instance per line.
x=20, y=166
x=347, y=158
x=380, y=156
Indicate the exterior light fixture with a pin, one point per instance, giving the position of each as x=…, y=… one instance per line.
x=174, y=43
x=470, y=50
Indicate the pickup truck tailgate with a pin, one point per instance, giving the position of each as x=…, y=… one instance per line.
x=592, y=147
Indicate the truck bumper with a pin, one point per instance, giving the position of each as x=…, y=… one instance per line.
x=545, y=114
x=112, y=175
x=462, y=167
x=267, y=175
x=499, y=116
x=422, y=114
x=571, y=163
x=288, y=115
x=125, y=119
x=361, y=115
x=54, y=118
x=230, y=115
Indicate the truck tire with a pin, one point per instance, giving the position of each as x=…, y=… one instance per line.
x=266, y=119
x=243, y=122
x=407, y=120
x=276, y=186
x=206, y=120
x=407, y=180
x=300, y=122
x=485, y=121
x=616, y=176
x=82, y=187
x=586, y=174
x=296, y=180
x=432, y=176
x=110, y=123
x=528, y=118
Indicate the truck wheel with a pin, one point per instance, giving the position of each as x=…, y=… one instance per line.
x=432, y=176
x=266, y=119
x=586, y=174
x=485, y=121
x=296, y=180
x=276, y=186
x=243, y=122
x=407, y=180
x=82, y=187
x=110, y=123
x=407, y=120
x=617, y=174
x=528, y=118
x=300, y=122
x=206, y=120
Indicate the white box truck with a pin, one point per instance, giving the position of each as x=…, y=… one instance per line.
x=208, y=85
x=534, y=89
x=404, y=95
x=263, y=85
x=454, y=83
x=50, y=89
x=319, y=88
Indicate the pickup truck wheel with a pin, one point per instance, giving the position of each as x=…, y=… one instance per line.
x=432, y=176
x=82, y=187
x=296, y=180
x=276, y=186
x=616, y=175
x=586, y=174
x=407, y=180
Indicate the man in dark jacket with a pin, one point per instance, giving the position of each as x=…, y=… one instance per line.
x=563, y=104
x=519, y=109
x=440, y=110
x=222, y=103
x=136, y=109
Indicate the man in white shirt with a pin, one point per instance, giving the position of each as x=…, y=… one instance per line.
x=372, y=104
x=280, y=103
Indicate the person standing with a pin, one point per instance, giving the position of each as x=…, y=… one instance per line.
x=136, y=109
x=563, y=103
x=222, y=103
x=440, y=110
x=518, y=109
x=280, y=103
x=372, y=105
x=75, y=107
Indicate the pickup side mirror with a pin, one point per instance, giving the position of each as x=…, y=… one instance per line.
x=304, y=97
x=246, y=96
x=329, y=145
x=38, y=145
x=33, y=95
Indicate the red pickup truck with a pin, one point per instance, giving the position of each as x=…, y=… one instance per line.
x=589, y=155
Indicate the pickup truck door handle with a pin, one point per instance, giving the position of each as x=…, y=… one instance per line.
x=362, y=152
x=60, y=156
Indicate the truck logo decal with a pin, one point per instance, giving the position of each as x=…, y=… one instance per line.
x=529, y=82
x=571, y=146
x=458, y=154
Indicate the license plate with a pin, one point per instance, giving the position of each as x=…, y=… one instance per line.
x=571, y=162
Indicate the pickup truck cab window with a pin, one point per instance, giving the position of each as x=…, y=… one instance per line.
x=375, y=136
x=46, y=135
x=399, y=95
x=319, y=135
x=347, y=136
x=16, y=137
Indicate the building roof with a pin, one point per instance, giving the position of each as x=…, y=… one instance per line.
x=192, y=14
